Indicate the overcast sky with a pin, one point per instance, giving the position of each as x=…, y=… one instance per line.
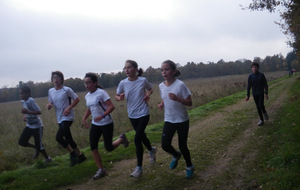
x=79, y=36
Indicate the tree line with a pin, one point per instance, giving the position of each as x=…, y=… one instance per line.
x=189, y=70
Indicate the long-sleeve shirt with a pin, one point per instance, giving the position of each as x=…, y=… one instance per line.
x=258, y=83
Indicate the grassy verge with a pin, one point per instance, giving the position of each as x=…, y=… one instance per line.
x=58, y=173
x=279, y=157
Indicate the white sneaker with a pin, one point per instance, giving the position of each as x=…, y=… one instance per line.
x=152, y=155
x=99, y=173
x=138, y=171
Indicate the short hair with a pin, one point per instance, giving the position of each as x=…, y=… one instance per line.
x=26, y=90
x=60, y=74
x=255, y=64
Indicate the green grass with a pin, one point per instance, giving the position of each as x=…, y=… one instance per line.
x=278, y=161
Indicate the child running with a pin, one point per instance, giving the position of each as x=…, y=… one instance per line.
x=175, y=97
x=60, y=97
x=100, y=106
x=34, y=125
x=137, y=91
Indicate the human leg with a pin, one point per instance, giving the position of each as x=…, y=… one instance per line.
x=183, y=130
x=258, y=106
x=139, y=126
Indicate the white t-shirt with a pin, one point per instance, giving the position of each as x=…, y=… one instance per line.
x=134, y=94
x=32, y=121
x=61, y=99
x=175, y=112
x=96, y=103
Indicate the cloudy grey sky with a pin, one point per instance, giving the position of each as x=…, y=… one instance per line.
x=79, y=36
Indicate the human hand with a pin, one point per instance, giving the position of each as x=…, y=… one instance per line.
x=49, y=106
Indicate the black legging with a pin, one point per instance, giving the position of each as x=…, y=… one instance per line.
x=97, y=131
x=140, y=137
x=259, y=101
x=167, y=136
x=64, y=136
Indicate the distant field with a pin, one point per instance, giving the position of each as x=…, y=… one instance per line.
x=11, y=124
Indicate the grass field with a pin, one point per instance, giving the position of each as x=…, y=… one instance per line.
x=275, y=164
x=13, y=156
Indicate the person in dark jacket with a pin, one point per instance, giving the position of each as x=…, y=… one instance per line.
x=257, y=81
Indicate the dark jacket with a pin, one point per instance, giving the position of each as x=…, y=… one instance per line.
x=258, y=83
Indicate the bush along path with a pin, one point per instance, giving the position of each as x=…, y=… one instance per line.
x=227, y=147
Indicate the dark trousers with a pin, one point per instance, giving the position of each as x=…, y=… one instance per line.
x=97, y=131
x=167, y=136
x=140, y=137
x=36, y=134
x=64, y=136
x=259, y=101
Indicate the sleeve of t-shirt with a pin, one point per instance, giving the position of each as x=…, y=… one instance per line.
x=185, y=92
x=120, y=88
x=71, y=93
x=49, y=97
x=105, y=96
x=148, y=85
x=34, y=105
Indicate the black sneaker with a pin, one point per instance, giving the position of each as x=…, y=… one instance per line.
x=266, y=116
x=81, y=158
x=36, y=154
x=73, y=158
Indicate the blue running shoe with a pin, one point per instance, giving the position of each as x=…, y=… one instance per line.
x=174, y=162
x=189, y=172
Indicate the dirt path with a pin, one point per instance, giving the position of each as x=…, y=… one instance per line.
x=118, y=175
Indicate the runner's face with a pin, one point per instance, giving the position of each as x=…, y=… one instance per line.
x=89, y=84
x=23, y=95
x=129, y=70
x=254, y=69
x=57, y=81
x=167, y=72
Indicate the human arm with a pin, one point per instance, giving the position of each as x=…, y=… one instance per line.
x=119, y=97
x=185, y=101
x=110, y=108
x=26, y=111
x=147, y=95
x=67, y=111
x=160, y=106
x=86, y=115
x=248, y=87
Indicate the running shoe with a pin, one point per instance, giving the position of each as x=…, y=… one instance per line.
x=189, y=172
x=100, y=173
x=124, y=142
x=266, y=116
x=174, y=161
x=81, y=158
x=138, y=171
x=48, y=159
x=260, y=123
x=152, y=154
x=73, y=158
x=36, y=154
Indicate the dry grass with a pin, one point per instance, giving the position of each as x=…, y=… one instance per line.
x=11, y=123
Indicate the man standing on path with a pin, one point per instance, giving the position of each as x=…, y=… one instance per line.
x=257, y=81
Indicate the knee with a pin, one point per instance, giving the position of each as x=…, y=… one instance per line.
x=21, y=143
x=109, y=148
x=165, y=146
